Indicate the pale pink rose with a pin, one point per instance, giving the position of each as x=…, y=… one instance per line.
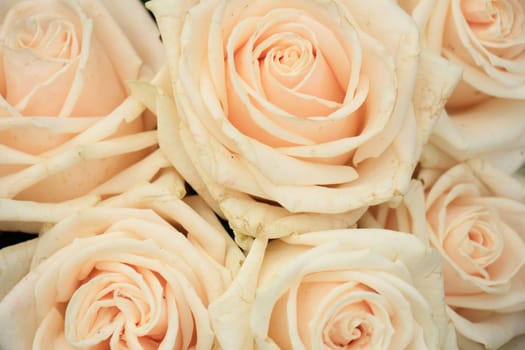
x=486, y=38
x=67, y=124
x=289, y=116
x=339, y=289
x=123, y=278
x=473, y=214
x=476, y=220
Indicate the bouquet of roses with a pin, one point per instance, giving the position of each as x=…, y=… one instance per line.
x=262, y=174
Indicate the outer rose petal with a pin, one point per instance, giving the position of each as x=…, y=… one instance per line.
x=283, y=167
x=14, y=261
x=322, y=257
x=462, y=134
x=76, y=155
x=150, y=272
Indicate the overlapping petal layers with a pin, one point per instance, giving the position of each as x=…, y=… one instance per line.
x=476, y=217
x=473, y=214
x=67, y=124
x=292, y=116
x=339, y=289
x=123, y=278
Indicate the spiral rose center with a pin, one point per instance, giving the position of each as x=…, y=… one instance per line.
x=494, y=20
x=477, y=236
x=117, y=304
x=288, y=57
x=285, y=67
x=348, y=332
x=46, y=38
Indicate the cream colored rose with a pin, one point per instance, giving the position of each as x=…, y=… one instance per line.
x=476, y=220
x=289, y=116
x=340, y=289
x=486, y=38
x=473, y=214
x=67, y=124
x=123, y=278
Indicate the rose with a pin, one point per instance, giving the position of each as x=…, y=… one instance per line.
x=123, y=277
x=67, y=124
x=288, y=116
x=472, y=214
x=475, y=216
x=485, y=39
x=339, y=289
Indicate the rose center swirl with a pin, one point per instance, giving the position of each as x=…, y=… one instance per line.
x=494, y=20
x=476, y=234
x=117, y=303
x=287, y=57
x=285, y=67
x=46, y=38
x=351, y=328
x=348, y=315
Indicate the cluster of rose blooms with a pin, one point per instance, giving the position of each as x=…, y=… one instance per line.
x=263, y=174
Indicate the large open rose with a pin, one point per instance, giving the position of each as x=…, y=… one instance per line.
x=66, y=122
x=123, y=278
x=339, y=289
x=486, y=38
x=288, y=116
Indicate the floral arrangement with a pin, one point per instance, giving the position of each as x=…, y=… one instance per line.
x=262, y=174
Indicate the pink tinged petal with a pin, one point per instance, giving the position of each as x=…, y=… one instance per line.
x=95, y=80
x=40, y=134
x=50, y=334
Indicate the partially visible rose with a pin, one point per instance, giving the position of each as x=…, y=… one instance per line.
x=296, y=115
x=67, y=124
x=473, y=214
x=475, y=217
x=115, y=278
x=486, y=38
x=340, y=289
